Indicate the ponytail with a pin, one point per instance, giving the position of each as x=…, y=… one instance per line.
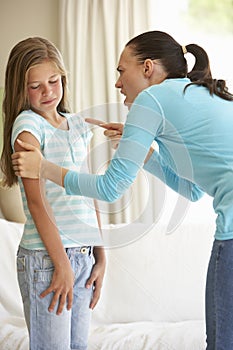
x=161, y=46
x=201, y=74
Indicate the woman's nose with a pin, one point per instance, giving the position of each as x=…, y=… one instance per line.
x=118, y=84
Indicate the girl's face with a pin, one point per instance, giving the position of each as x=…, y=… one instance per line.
x=44, y=87
x=132, y=78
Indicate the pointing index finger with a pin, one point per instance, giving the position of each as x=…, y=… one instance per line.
x=97, y=122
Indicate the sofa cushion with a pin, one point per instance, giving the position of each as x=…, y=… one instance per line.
x=13, y=331
x=187, y=335
x=159, y=277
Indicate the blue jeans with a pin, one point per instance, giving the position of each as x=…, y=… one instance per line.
x=47, y=331
x=219, y=297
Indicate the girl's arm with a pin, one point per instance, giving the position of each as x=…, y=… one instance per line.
x=63, y=278
x=97, y=274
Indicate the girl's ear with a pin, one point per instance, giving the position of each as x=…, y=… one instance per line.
x=148, y=67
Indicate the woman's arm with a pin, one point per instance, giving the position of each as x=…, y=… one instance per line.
x=34, y=164
x=143, y=125
x=157, y=167
x=122, y=171
x=154, y=164
x=62, y=281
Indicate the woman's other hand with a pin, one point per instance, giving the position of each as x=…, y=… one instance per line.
x=27, y=163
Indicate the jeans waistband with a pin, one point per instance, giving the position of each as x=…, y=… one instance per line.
x=76, y=250
x=71, y=251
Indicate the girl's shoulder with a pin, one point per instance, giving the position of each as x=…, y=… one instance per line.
x=30, y=122
x=28, y=116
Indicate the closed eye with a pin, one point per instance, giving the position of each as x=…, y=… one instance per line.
x=34, y=87
x=53, y=81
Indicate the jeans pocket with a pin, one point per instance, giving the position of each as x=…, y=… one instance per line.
x=47, y=263
x=21, y=261
x=43, y=275
x=22, y=276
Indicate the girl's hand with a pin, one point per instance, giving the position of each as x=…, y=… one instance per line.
x=96, y=279
x=27, y=163
x=97, y=275
x=62, y=287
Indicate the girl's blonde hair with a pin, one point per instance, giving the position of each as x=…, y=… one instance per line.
x=25, y=55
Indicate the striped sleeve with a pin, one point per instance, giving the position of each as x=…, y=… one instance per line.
x=30, y=122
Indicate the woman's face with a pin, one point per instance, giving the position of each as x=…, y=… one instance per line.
x=132, y=79
x=44, y=88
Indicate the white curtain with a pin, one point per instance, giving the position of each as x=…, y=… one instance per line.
x=92, y=35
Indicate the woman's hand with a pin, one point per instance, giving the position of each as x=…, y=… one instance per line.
x=27, y=163
x=113, y=130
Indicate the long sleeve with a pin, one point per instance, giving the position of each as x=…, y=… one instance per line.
x=139, y=132
x=120, y=174
x=157, y=167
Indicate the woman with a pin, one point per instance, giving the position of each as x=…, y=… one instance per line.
x=190, y=116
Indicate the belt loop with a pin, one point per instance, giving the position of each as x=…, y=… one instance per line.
x=90, y=250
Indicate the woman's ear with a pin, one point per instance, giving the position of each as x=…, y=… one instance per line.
x=148, y=67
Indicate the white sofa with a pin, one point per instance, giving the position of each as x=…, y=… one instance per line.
x=153, y=292
x=13, y=333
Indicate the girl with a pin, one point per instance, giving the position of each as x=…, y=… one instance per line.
x=55, y=261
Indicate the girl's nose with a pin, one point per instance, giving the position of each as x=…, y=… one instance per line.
x=46, y=90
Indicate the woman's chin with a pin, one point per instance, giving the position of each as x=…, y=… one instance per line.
x=127, y=103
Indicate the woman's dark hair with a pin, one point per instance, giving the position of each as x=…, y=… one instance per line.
x=161, y=46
